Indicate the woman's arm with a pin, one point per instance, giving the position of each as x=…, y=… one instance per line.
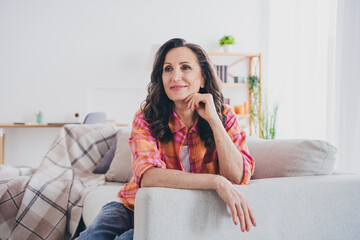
x=159, y=177
x=230, y=159
x=170, y=178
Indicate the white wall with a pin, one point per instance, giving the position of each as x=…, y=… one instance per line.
x=53, y=54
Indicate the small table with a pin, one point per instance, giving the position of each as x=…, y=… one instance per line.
x=12, y=125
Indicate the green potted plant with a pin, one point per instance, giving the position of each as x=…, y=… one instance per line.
x=268, y=122
x=226, y=42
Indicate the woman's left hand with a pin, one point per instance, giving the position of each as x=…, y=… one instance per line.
x=203, y=104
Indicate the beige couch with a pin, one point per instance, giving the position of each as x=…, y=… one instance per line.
x=293, y=194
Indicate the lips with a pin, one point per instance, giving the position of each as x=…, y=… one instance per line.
x=177, y=87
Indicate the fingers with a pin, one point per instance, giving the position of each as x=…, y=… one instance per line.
x=189, y=97
x=190, y=100
x=240, y=210
x=234, y=214
x=192, y=104
x=194, y=100
x=240, y=214
x=200, y=98
x=252, y=218
x=238, y=205
x=246, y=216
x=202, y=103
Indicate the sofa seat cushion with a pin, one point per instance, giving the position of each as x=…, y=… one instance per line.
x=291, y=157
x=105, y=162
x=120, y=169
x=98, y=197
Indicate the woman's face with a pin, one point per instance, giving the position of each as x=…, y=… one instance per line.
x=181, y=74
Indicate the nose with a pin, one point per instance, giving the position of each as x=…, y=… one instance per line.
x=177, y=74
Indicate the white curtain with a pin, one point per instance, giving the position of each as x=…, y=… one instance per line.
x=312, y=69
x=344, y=88
x=300, y=33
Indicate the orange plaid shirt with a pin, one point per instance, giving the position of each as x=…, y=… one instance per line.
x=148, y=152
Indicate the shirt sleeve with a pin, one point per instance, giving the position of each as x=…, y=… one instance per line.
x=238, y=136
x=144, y=148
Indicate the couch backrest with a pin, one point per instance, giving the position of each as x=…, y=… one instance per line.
x=291, y=157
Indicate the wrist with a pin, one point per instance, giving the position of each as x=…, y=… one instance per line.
x=215, y=122
x=218, y=182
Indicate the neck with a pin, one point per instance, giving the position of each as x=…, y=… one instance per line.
x=185, y=114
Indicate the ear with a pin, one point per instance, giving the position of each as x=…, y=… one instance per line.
x=202, y=83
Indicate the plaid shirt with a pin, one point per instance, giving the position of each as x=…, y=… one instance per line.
x=148, y=152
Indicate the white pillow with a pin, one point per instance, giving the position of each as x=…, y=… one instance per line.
x=120, y=169
x=291, y=157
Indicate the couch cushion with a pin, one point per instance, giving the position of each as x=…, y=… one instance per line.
x=291, y=157
x=97, y=198
x=120, y=168
x=105, y=162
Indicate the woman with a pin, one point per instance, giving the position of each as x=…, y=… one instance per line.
x=183, y=128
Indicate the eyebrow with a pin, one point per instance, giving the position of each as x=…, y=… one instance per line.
x=180, y=63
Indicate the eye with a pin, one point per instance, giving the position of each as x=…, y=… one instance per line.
x=167, y=69
x=186, y=67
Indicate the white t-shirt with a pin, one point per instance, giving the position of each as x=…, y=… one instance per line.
x=185, y=158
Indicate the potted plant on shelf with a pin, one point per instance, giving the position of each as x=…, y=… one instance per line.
x=255, y=104
x=226, y=42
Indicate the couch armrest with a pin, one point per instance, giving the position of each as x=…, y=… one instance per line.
x=313, y=207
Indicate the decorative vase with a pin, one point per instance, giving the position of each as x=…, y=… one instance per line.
x=227, y=48
x=39, y=118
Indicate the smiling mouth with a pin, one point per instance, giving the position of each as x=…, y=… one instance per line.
x=177, y=87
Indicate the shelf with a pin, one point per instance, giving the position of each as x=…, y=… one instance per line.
x=251, y=61
x=10, y=125
x=234, y=54
x=51, y=125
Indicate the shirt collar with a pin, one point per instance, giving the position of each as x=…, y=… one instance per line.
x=175, y=123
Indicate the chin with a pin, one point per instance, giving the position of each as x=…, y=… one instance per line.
x=178, y=97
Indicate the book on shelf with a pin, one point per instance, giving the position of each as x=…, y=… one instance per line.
x=222, y=72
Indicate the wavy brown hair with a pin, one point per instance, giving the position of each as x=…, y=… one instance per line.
x=158, y=107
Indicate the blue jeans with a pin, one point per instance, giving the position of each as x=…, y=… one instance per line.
x=113, y=222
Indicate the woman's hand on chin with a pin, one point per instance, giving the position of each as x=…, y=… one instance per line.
x=203, y=104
